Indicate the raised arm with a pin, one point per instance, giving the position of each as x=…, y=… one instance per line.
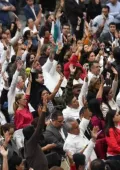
x=15, y=77
x=115, y=81
x=4, y=154
x=14, y=40
x=52, y=95
x=41, y=122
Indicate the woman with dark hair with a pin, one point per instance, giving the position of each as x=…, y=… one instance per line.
x=93, y=88
x=97, y=116
x=107, y=94
x=113, y=134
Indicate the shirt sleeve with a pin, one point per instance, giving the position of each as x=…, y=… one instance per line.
x=112, y=142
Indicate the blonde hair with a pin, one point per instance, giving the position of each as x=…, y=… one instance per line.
x=16, y=104
x=93, y=81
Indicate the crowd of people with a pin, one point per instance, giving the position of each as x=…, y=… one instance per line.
x=60, y=85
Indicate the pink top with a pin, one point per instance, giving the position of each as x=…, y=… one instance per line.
x=23, y=117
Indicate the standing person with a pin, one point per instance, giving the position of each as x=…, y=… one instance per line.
x=75, y=9
x=94, y=9
x=33, y=152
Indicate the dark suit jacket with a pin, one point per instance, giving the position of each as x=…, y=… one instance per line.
x=52, y=135
x=106, y=38
x=73, y=10
x=29, y=13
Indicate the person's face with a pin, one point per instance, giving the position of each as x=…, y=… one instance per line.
x=30, y=2
x=21, y=83
x=32, y=57
x=76, y=91
x=87, y=113
x=102, y=46
x=112, y=28
x=110, y=94
x=86, y=48
x=59, y=68
x=97, y=84
x=11, y=131
x=20, y=167
x=23, y=101
x=5, y=38
x=75, y=128
x=45, y=93
x=40, y=79
x=59, y=122
x=7, y=32
x=97, y=1
x=105, y=12
x=74, y=103
x=66, y=30
x=116, y=118
x=95, y=69
x=37, y=66
x=30, y=23
x=91, y=57
x=49, y=19
x=48, y=51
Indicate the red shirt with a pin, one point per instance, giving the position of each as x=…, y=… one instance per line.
x=72, y=167
x=23, y=117
x=113, y=141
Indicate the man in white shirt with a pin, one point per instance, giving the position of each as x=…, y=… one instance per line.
x=76, y=142
x=73, y=105
x=94, y=71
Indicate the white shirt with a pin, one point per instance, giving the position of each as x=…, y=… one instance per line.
x=32, y=8
x=77, y=1
x=77, y=143
x=74, y=113
x=71, y=112
x=90, y=76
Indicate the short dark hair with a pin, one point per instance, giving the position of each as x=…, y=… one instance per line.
x=79, y=160
x=97, y=164
x=65, y=24
x=106, y=7
x=116, y=53
x=83, y=109
x=6, y=127
x=92, y=63
x=14, y=161
x=112, y=23
x=55, y=114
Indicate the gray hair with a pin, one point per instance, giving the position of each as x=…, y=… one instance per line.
x=68, y=125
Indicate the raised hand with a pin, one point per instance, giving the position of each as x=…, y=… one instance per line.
x=19, y=25
x=3, y=152
x=7, y=137
x=72, y=69
x=94, y=132
x=79, y=21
